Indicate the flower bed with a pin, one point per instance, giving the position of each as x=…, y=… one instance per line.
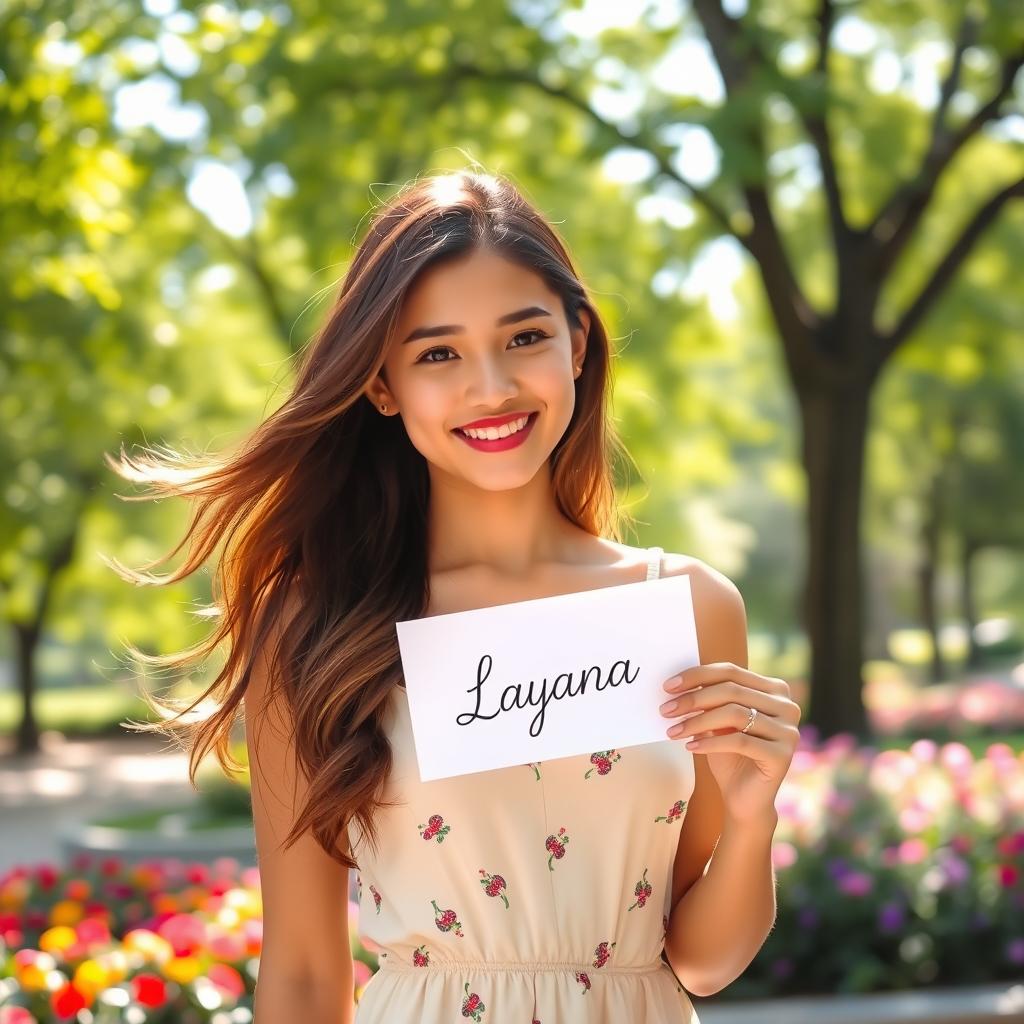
x=105, y=942
x=896, y=870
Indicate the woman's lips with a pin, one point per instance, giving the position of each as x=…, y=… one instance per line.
x=501, y=444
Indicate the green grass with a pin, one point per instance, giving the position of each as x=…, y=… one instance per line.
x=145, y=821
x=76, y=711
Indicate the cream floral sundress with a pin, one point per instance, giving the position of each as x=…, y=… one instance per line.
x=533, y=894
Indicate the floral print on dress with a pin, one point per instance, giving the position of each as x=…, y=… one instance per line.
x=376, y=897
x=674, y=812
x=446, y=920
x=472, y=1005
x=535, y=765
x=421, y=956
x=584, y=980
x=603, y=952
x=555, y=845
x=642, y=890
x=494, y=885
x=602, y=761
x=435, y=827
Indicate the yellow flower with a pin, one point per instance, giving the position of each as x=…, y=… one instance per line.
x=91, y=977
x=244, y=901
x=183, y=969
x=66, y=912
x=150, y=945
x=57, y=939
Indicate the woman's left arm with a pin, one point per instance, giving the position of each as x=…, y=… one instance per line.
x=722, y=920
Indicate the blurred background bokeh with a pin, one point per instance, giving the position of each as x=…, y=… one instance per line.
x=802, y=222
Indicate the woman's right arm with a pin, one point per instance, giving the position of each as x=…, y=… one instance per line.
x=305, y=971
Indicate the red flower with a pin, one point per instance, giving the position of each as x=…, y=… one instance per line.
x=47, y=876
x=149, y=989
x=1008, y=876
x=67, y=1001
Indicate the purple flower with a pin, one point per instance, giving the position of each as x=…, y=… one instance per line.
x=891, y=917
x=808, y=918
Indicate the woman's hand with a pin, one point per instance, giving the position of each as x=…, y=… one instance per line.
x=749, y=767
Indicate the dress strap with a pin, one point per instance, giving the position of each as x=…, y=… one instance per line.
x=654, y=562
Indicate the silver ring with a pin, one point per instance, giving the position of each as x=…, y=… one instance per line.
x=750, y=720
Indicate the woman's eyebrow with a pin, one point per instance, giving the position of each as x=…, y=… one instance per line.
x=508, y=318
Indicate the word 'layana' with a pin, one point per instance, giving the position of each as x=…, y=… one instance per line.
x=515, y=695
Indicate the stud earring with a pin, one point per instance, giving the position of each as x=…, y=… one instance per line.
x=383, y=406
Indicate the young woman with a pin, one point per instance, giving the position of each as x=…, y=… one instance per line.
x=574, y=890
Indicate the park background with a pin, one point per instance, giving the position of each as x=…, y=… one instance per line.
x=802, y=223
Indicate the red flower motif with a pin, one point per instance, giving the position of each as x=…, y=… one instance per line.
x=472, y=1006
x=603, y=761
x=446, y=920
x=603, y=953
x=674, y=812
x=555, y=845
x=493, y=886
x=642, y=890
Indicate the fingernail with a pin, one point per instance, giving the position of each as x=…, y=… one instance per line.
x=668, y=707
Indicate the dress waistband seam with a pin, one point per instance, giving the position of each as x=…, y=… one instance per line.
x=485, y=966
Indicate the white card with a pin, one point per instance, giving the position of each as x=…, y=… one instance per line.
x=547, y=678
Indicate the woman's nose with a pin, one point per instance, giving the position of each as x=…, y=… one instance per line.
x=493, y=384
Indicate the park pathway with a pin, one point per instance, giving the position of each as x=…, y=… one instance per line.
x=77, y=779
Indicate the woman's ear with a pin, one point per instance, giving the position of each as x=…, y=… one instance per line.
x=579, y=337
x=379, y=394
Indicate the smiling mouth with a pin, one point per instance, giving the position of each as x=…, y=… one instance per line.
x=500, y=443
x=527, y=419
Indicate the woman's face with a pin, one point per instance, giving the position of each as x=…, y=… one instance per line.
x=472, y=367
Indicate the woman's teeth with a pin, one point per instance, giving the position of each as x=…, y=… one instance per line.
x=493, y=433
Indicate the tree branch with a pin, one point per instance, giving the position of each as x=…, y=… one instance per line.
x=638, y=139
x=816, y=126
x=947, y=267
x=736, y=57
x=893, y=226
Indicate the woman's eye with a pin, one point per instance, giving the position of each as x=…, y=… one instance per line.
x=540, y=335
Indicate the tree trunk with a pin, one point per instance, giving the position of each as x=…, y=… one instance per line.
x=926, y=574
x=968, y=610
x=26, y=640
x=27, y=634
x=834, y=422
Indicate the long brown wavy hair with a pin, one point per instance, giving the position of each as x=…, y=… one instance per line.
x=326, y=500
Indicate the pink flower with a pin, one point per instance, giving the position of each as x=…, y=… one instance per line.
x=784, y=855
x=16, y=1015
x=227, y=980
x=185, y=933
x=855, y=883
x=913, y=851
